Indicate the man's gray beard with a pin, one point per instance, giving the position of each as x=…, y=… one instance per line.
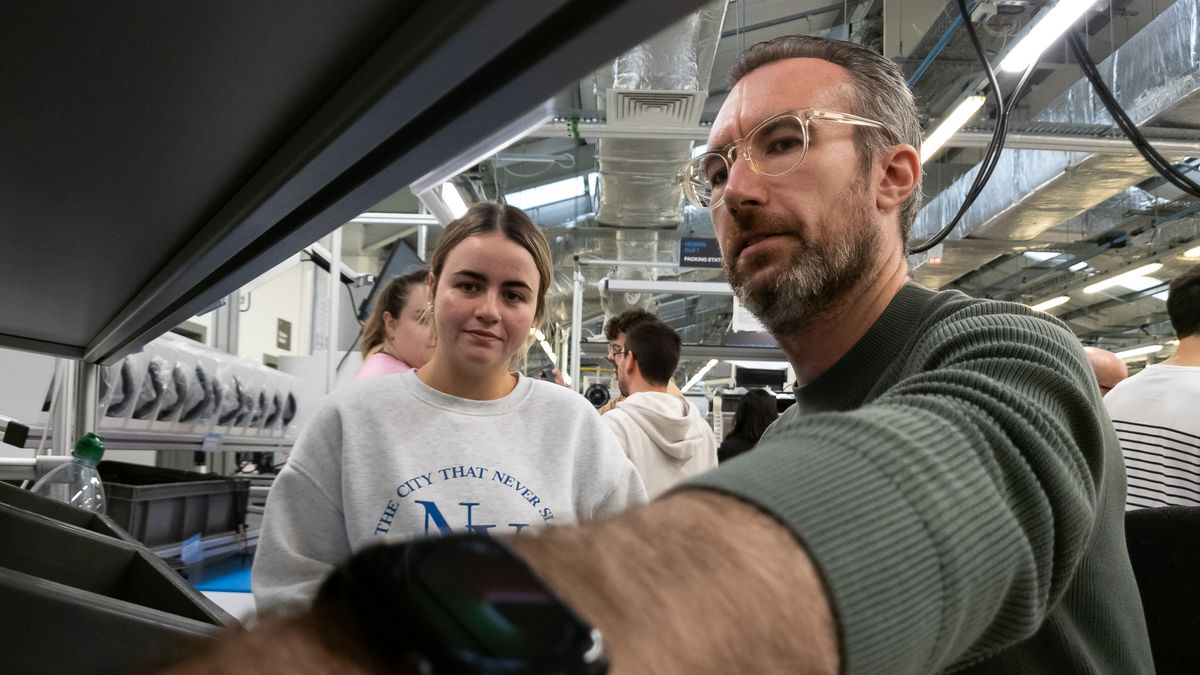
x=815, y=278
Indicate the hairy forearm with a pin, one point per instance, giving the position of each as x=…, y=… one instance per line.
x=695, y=583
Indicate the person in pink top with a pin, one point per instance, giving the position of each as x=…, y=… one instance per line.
x=396, y=337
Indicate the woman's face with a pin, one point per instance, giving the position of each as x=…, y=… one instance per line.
x=408, y=338
x=485, y=302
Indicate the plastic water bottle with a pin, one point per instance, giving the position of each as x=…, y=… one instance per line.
x=78, y=481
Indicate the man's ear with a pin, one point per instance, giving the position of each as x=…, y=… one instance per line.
x=631, y=363
x=901, y=175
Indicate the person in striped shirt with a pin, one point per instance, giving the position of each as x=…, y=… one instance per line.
x=1155, y=412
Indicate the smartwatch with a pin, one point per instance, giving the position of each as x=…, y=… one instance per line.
x=459, y=604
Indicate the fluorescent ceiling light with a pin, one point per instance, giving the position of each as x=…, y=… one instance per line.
x=1162, y=296
x=443, y=202
x=454, y=200
x=549, y=352
x=1192, y=253
x=380, y=218
x=1121, y=278
x=761, y=365
x=1078, y=266
x=1138, y=351
x=550, y=193
x=1042, y=256
x=964, y=112
x=696, y=378
x=699, y=149
x=1140, y=283
x=1052, y=302
x=1048, y=28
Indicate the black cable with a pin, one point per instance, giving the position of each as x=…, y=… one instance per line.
x=350, y=292
x=1152, y=156
x=352, y=346
x=992, y=157
x=994, y=148
x=360, y=328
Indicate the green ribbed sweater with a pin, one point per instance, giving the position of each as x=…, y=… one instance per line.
x=957, y=482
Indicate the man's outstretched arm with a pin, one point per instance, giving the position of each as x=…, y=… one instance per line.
x=694, y=583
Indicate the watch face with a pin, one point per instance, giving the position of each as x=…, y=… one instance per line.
x=486, y=605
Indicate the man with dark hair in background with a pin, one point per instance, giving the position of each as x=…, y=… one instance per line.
x=1157, y=411
x=615, y=330
x=665, y=437
x=946, y=494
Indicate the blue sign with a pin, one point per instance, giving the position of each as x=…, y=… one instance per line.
x=699, y=252
x=211, y=442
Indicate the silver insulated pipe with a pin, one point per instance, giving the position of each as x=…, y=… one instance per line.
x=662, y=82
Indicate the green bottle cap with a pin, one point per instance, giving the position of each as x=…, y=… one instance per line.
x=90, y=447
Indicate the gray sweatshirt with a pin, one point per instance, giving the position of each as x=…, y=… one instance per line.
x=390, y=456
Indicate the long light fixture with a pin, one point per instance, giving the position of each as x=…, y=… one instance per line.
x=964, y=112
x=1048, y=29
x=1118, y=279
x=541, y=339
x=1192, y=253
x=549, y=352
x=1138, y=351
x=453, y=200
x=703, y=371
x=1052, y=302
x=381, y=218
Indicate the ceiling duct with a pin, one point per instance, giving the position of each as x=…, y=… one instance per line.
x=660, y=83
x=1157, y=81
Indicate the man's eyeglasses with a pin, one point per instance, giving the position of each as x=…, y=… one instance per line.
x=776, y=146
x=615, y=350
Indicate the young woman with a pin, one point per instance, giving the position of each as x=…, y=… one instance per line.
x=754, y=414
x=461, y=445
x=396, y=338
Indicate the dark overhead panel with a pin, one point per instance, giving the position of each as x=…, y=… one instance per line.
x=153, y=160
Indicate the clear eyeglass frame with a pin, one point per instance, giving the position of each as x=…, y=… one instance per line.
x=614, y=351
x=693, y=177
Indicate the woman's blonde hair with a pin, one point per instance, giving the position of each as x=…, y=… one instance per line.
x=391, y=300
x=514, y=224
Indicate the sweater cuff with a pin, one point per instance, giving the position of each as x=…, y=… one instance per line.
x=876, y=558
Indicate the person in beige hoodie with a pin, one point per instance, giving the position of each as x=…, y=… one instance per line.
x=664, y=436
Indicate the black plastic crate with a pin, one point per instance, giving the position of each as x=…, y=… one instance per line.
x=128, y=606
x=63, y=513
x=166, y=506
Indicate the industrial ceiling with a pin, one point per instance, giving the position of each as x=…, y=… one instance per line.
x=1071, y=203
x=155, y=160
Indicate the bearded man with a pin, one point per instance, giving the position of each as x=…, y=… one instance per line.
x=947, y=494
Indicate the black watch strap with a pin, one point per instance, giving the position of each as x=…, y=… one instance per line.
x=460, y=604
